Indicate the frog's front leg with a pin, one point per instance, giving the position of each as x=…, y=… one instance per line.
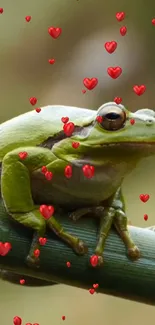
x=17, y=196
x=121, y=224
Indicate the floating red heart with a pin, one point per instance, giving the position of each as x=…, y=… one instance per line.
x=33, y=101
x=55, y=32
x=139, y=90
x=120, y=15
x=68, y=171
x=22, y=281
x=48, y=175
x=94, y=260
x=90, y=83
x=118, y=100
x=51, y=61
x=88, y=171
x=65, y=119
x=28, y=18
x=68, y=128
x=46, y=211
x=5, y=248
x=123, y=30
x=95, y=285
x=38, y=110
x=23, y=155
x=91, y=291
x=114, y=72
x=17, y=320
x=75, y=145
x=42, y=241
x=144, y=197
x=110, y=46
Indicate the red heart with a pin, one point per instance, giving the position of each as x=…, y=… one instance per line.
x=33, y=100
x=23, y=155
x=5, y=248
x=1, y=10
x=22, y=281
x=95, y=285
x=144, y=197
x=110, y=46
x=51, y=61
x=38, y=110
x=68, y=128
x=28, y=18
x=92, y=291
x=118, y=100
x=42, y=241
x=139, y=90
x=114, y=72
x=46, y=211
x=83, y=91
x=65, y=119
x=75, y=145
x=48, y=175
x=17, y=320
x=55, y=31
x=123, y=30
x=90, y=83
x=94, y=260
x=120, y=15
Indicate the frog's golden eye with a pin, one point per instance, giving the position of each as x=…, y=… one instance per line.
x=111, y=117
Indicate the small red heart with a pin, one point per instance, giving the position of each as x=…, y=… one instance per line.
x=139, y=90
x=44, y=169
x=153, y=21
x=68, y=264
x=5, y=248
x=51, y=61
x=118, y=100
x=22, y=281
x=49, y=175
x=90, y=83
x=23, y=155
x=17, y=320
x=91, y=291
x=88, y=171
x=63, y=317
x=68, y=128
x=145, y=217
x=29, y=324
x=95, y=285
x=110, y=46
x=42, y=241
x=28, y=18
x=120, y=15
x=1, y=10
x=99, y=119
x=75, y=145
x=114, y=72
x=94, y=260
x=55, y=31
x=123, y=30
x=65, y=119
x=83, y=91
x=132, y=121
x=33, y=100
x=144, y=197
x=46, y=211
x=38, y=110
x=37, y=252
x=68, y=171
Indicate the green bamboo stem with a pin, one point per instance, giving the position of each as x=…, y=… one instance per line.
x=118, y=277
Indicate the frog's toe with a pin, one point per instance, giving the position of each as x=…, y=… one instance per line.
x=81, y=248
x=33, y=262
x=100, y=260
x=134, y=252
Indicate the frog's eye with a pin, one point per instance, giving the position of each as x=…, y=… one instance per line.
x=111, y=117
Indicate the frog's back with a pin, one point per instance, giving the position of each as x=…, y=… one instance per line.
x=33, y=128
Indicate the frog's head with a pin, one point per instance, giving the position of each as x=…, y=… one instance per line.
x=113, y=130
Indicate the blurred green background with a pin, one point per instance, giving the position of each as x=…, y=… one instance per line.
x=79, y=53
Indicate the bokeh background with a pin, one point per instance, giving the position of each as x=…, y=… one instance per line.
x=79, y=52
